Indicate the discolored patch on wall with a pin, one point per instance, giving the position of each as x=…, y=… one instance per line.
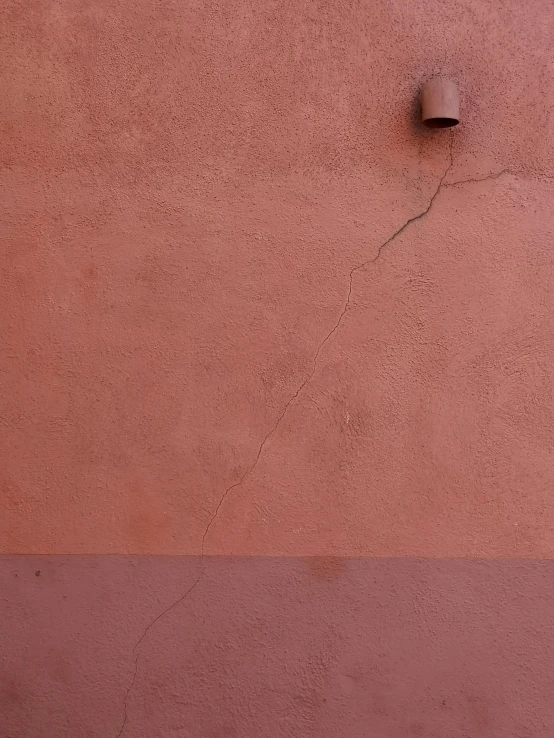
x=326, y=567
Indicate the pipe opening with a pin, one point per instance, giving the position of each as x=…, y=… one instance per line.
x=441, y=122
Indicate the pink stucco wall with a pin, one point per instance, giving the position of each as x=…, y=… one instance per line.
x=251, y=308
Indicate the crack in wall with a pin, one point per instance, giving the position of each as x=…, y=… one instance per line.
x=283, y=412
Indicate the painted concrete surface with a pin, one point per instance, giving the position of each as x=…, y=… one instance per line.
x=291, y=648
x=251, y=308
x=194, y=199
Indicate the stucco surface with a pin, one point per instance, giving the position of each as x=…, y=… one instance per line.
x=187, y=189
x=251, y=312
x=291, y=648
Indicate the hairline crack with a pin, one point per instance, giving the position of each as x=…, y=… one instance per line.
x=441, y=185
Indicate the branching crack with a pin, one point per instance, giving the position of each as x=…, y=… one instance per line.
x=284, y=411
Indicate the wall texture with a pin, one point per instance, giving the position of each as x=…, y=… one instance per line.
x=277, y=377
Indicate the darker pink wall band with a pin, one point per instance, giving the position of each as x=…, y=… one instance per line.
x=303, y=648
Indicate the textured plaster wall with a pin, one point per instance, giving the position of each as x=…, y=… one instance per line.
x=200, y=286
x=250, y=308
